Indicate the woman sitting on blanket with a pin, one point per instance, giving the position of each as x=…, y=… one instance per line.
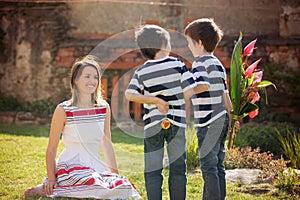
x=84, y=123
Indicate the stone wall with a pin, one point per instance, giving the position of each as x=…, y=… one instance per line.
x=40, y=40
x=30, y=37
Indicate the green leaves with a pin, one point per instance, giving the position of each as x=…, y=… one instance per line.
x=263, y=84
x=236, y=76
x=247, y=107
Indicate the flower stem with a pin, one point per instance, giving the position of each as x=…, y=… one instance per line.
x=231, y=135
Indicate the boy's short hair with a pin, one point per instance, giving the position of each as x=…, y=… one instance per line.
x=151, y=39
x=207, y=31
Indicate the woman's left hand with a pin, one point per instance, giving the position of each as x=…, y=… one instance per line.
x=48, y=187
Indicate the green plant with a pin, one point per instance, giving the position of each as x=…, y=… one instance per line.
x=287, y=180
x=263, y=135
x=192, y=153
x=290, y=144
x=39, y=107
x=247, y=157
x=245, y=83
x=286, y=77
x=10, y=103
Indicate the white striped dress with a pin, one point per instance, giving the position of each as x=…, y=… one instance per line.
x=80, y=171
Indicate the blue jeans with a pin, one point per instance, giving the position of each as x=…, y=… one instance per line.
x=154, y=141
x=211, y=140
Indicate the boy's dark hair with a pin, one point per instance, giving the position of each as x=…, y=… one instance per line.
x=207, y=31
x=151, y=39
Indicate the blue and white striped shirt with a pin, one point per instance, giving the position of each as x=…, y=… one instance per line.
x=209, y=105
x=166, y=78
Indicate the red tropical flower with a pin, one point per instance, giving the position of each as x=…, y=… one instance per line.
x=253, y=113
x=250, y=69
x=258, y=77
x=245, y=83
x=248, y=50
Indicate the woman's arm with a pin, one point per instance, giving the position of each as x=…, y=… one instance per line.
x=107, y=146
x=57, y=125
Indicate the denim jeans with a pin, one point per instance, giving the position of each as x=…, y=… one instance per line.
x=154, y=141
x=211, y=140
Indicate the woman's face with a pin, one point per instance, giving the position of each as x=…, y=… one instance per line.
x=88, y=81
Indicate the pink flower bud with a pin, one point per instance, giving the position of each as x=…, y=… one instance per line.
x=253, y=113
x=251, y=68
x=248, y=50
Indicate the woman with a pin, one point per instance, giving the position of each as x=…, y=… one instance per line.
x=84, y=122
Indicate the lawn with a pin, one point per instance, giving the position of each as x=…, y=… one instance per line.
x=22, y=165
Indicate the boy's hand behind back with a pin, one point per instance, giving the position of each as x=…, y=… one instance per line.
x=162, y=106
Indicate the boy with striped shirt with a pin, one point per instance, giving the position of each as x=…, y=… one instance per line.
x=211, y=108
x=162, y=84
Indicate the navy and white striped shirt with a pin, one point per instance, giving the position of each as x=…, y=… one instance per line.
x=166, y=78
x=209, y=105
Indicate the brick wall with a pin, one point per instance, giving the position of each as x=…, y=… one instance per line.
x=39, y=41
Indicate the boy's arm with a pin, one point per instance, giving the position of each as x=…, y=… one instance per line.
x=228, y=106
x=201, y=88
x=162, y=105
x=227, y=103
x=197, y=89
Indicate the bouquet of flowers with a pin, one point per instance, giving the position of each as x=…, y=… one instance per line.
x=245, y=84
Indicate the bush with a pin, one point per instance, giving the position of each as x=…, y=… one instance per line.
x=10, y=104
x=192, y=153
x=39, y=107
x=264, y=136
x=287, y=180
x=247, y=158
x=42, y=107
x=291, y=147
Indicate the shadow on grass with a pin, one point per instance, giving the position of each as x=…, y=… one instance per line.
x=25, y=130
x=118, y=136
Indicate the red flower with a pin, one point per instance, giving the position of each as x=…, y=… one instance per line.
x=255, y=98
x=251, y=68
x=253, y=113
x=258, y=77
x=248, y=50
x=165, y=124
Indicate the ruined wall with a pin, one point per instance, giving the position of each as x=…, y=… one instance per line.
x=256, y=17
x=31, y=34
x=39, y=41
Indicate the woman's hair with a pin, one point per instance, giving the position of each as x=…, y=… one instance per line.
x=76, y=71
x=151, y=39
x=207, y=31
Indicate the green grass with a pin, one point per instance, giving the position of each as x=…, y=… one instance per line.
x=22, y=165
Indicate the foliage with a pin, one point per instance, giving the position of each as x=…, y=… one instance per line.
x=245, y=83
x=40, y=107
x=192, y=152
x=247, y=158
x=25, y=130
x=287, y=180
x=263, y=135
x=291, y=147
x=10, y=103
x=273, y=171
x=286, y=77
